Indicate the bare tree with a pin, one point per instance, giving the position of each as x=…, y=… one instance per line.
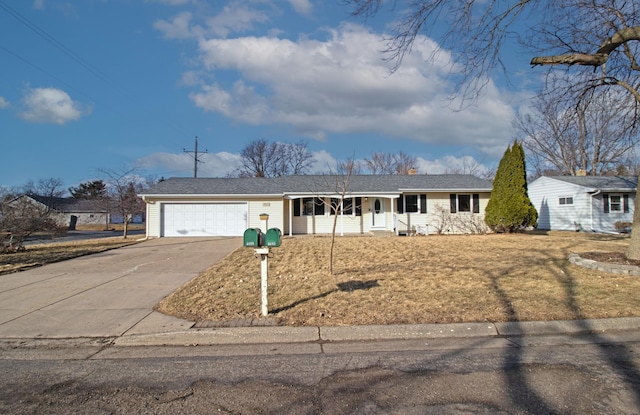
x=123, y=187
x=339, y=183
x=47, y=190
x=27, y=211
x=261, y=158
x=477, y=30
x=403, y=163
x=595, y=40
x=568, y=138
x=379, y=163
x=389, y=163
x=298, y=158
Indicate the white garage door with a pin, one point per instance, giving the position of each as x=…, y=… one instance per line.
x=213, y=219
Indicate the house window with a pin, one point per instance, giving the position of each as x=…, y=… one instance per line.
x=358, y=206
x=562, y=201
x=412, y=203
x=615, y=203
x=464, y=203
x=348, y=207
x=308, y=206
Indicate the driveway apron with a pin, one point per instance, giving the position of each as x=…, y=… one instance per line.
x=105, y=294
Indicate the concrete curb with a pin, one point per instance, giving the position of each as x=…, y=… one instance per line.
x=536, y=328
x=281, y=335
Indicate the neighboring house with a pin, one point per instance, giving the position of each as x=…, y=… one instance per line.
x=583, y=203
x=71, y=212
x=303, y=205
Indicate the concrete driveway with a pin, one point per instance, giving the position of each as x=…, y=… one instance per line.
x=107, y=294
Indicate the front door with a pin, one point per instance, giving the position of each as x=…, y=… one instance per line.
x=378, y=217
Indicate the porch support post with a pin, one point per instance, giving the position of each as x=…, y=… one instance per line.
x=394, y=212
x=290, y=217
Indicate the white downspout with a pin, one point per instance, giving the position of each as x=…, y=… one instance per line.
x=597, y=192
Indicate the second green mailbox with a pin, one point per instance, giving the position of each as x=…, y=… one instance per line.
x=273, y=237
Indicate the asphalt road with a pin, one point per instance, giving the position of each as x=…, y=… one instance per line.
x=66, y=333
x=537, y=375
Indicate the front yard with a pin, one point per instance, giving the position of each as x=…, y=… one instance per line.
x=433, y=279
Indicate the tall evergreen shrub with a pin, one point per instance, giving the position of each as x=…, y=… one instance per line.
x=510, y=209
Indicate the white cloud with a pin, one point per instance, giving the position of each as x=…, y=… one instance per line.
x=213, y=164
x=341, y=85
x=452, y=164
x=180, y=27
x=38, y=4
x=301, y=6
x=51, y=105
x=323, y=162
x=234, y=17
x=4, y=103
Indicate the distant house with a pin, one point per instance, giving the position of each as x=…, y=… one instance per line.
x=72, y=212
x=308, y=204
x=583, y=203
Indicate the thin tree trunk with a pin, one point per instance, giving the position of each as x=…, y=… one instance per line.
x=633, y=250
x=333, y=239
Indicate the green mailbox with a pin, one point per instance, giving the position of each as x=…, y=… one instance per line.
x=273, y=237
x=253, y=238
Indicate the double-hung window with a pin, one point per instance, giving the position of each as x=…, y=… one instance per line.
x=613, y=203
x=412, y=203
x=460, y=203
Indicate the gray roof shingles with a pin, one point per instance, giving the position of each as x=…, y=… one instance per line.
x=312, y=184
x=601, y=182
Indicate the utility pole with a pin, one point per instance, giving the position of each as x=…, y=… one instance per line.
x=196, y=160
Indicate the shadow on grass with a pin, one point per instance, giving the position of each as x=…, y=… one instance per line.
x=348, y=286
x=619, y=357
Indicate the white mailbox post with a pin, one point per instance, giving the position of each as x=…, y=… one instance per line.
x=264, y=255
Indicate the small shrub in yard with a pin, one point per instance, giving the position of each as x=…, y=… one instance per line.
x=623, y=226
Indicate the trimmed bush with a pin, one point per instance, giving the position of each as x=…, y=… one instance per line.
x=510, y=209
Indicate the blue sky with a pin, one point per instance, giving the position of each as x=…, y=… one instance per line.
x=90, y=85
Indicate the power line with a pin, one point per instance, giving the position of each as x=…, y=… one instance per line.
x=57, y=44
x=33, y=65
x=74, y=56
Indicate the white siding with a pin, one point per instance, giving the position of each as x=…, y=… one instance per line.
x=606, y=222
x=545, y=193
x=585, y=214
x=153, y=220
x=273, y=208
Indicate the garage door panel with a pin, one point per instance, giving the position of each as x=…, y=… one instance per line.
x=204, y=219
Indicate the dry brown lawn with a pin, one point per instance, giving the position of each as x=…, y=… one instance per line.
x=433, y=279
x=40, y=254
